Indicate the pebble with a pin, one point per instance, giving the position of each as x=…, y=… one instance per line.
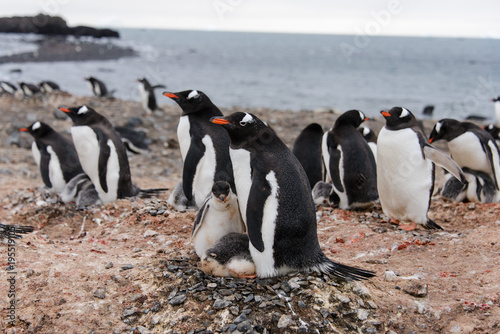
x=100, y=293
x=362, y=314
x=178, y=300
x=455, y=329
x=129, y=312
x=240, y=318
x=244, y=326
x=127, y=266
x=109, y=265
x=285, y=321
x=137, y=250
x=221, y=303
x=416, y=289
x=390, y=275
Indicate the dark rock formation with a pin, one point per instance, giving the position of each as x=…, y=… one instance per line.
x=50, y=25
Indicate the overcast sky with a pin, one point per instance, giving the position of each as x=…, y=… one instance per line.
x=389, y=17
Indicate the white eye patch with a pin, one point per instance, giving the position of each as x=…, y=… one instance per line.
x=82, y=110
x=366, y=131
x=194, y=93
x=35, y=126
x=404, y=113
x=438, y=126
x=361, y=115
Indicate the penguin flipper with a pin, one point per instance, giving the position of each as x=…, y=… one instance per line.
x=158, y=86
x=104, y=152
x=334, y=166
x=44, y=166
x=193, y=157
x=259, y=192
x=443, y=160
x=491, y=150
x=200, y=216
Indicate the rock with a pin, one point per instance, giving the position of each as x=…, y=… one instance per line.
x=178, y=300
x=127, y=266
x=455, y=329
x=362, y=314
x=129, y=312
x=390, y=275
x=109, y=265
x=285, y=321
x=221, y=304
x=244, y=326
x=416, y=289
x=100, y=293
x=240, y=318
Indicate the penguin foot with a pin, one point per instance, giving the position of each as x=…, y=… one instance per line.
x=408, y=227
x=236, y=274
x=431, y=225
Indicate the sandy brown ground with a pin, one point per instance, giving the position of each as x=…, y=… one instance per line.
x=72, y=274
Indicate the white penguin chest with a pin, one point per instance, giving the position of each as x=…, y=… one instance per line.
x=183, y=136
x=36, y=153
x=326, y=156
x=205, y=172
x=467, y=151
x=55, y=172
x=242, y=170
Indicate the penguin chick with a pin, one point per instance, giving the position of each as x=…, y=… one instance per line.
x=229, y=257
x=321, y=193
x=178, y=200
x=80, y=190
x=218, y=216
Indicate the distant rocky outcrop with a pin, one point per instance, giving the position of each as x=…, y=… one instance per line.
x=50, y=25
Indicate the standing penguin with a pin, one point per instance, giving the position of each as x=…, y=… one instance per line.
x=204, y=146
x=470, y=146
x=405, y=169
x=276, y=203
x=307, y=149
x=54, y=154
x=147, y=93
x=48, y=86
x=29, y=89
x=494, y=131
x=97, y=87
x=349, y=162
x=102, y=154
x=371, y=139
x=218, y=216
x=7, y=88
x=496, y=103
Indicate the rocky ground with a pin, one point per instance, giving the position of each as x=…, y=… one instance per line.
x=129, y=266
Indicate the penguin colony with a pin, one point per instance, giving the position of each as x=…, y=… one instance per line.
x=255, y=198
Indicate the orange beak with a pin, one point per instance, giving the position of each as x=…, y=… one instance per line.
x=219, y=121
x=385, y=114
x=23, y=129
x=64, y=109
x=170, y=95
x=430, y=140
x=366, y=119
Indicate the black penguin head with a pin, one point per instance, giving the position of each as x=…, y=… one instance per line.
x=368, y=134
x=244, y=128
x=351, y=117
x=441, y=129
x=37, y=129
x=193, y=101
x=496, y=99
x=82, y=115
x=220, y=190
x=144, y=82
x=399, y=118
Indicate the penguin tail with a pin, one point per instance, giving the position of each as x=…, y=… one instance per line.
x=431, y=225
x=147, y=193
x=13, y=231
x=344, y=272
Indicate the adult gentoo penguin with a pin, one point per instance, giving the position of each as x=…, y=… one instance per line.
x=147, y=92
x=405, y=169
x=229, y=257
x=218, y=216
x=496, y=102
x=371, y=139
x=276, y=203
x=307, y=149
x=54, y=154
x=29, y=89
x=7, y=88
x=204, y=146
x=48, y=86
x=494, y=131
x=470, y=146
x=102, y=154
x=349, y=162
x=97, y=87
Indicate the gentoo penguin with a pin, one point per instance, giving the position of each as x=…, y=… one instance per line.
x=480, y=187
x=470, y=146
x=54, y=154
x=405, y=169
x=307, y=149
x=178, y=200
x=80, y=190
x=102, y=154
x=148, y=95
x=204, y=146
x=14, y=231
x=97, y=87
x=48, y=86
x=496, y=103
x=349, y=162
x=218, y=216
x=371, y=139
x=428, y=110
x=321, y=193
x=7, y=88
x=494, y=131
x=229, y=257
x=135, y=141
x=276, y=203
x=29, y=89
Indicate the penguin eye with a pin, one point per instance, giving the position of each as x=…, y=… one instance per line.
x=242, y=123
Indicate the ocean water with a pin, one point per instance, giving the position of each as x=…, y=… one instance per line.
x=293, y=71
